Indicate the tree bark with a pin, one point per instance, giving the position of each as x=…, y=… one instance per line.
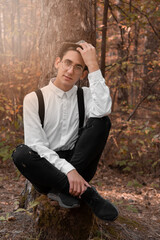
x=150, y=71
x=19, y=50
x=104, y=31
x=63, y=21
x=53, y=222
x=1, y=30
x=13, y=29
x=123, y=53
x=135, y=91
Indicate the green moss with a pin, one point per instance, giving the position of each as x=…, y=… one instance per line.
x=130, y=223
x=22, y=200
x=113, y=232
x=70, y=223
x=47, y=214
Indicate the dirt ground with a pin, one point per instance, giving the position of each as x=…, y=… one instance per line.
x=139, y=206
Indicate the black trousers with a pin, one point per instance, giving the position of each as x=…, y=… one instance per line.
x=84, y=157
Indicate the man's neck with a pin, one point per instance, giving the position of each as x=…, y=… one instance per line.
x=62, y=87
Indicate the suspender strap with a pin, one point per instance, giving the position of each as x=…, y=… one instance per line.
x=81, y=109
x=41, y=109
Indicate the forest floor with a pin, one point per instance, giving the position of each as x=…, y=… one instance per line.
x=139, y=206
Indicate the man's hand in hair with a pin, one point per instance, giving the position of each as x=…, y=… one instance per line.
x=88, y=54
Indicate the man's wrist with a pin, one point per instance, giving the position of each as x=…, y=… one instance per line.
x=93, y=67
x=93, y=76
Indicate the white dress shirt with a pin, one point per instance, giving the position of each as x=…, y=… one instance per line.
x=61, y=121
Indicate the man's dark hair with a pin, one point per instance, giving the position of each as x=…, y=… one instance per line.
x=66, y=46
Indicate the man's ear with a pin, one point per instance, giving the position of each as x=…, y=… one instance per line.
x=57, y=61
x=84, y=75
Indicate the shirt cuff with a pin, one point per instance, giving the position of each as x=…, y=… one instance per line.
x=93, y=76
x=67, y=168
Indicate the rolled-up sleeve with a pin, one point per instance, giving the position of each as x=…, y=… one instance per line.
x=98, y=101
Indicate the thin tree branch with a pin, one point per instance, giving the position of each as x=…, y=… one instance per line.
x=110, y=66
x=142, y=100
x=143, y=14
x=120, y=28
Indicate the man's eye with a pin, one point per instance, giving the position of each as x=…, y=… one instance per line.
x=68, y=62
x=77, y=67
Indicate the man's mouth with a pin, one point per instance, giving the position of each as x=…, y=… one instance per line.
x=67, y=77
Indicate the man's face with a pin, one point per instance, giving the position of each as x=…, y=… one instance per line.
x=70, y=70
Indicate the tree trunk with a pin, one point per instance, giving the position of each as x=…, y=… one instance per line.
x=104, y=31
x=123, y=53
x=53, y=222
x=61, y=21
x=135, y=90
x=13, y=29
x=1, y=36
x=19, y=50
x=151, y=71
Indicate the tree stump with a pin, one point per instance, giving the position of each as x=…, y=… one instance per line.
x=53, y=222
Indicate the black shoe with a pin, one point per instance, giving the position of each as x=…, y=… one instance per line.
x=64, y=200
x=102, y=208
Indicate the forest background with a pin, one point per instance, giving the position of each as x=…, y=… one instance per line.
x=128, y=32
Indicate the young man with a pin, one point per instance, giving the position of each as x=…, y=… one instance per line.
x=55, y=159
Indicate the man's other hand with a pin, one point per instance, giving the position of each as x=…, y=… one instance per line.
x=77, y=184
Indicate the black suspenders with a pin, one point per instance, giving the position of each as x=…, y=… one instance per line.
x=81, y=109
x=41, y=110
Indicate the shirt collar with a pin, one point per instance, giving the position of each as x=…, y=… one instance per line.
x=59, y=91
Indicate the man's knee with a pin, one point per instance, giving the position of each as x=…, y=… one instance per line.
x=102, y=124
x=97, y=128
x=20, y=153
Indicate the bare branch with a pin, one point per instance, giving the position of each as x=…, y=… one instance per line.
x=120, y=28
x=142, y=100
x=143, y=14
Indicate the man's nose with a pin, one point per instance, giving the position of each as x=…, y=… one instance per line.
x=71, y=69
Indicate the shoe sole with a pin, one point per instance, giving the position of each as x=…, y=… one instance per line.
x=61, y=204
